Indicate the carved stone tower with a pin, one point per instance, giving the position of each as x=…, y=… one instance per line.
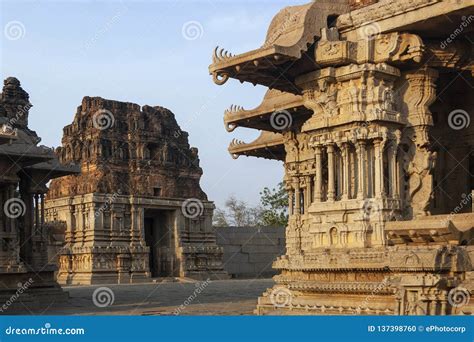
x=136, y=210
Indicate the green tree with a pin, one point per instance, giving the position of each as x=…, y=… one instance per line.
x=272, y=211
x=237, y=213
x=275, y=206
x=219, y=219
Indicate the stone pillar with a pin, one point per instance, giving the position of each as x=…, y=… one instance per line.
x=393, y=180
x=338, y=170
x=141, y=224
x=319, y=175
x=345, y=173
x=28, y=226
x=378, y=181
x=296, y=185
x=37, y=215
x=419, y=92
x=11, y=194
x=290, y=201
x=361, y=169
x=331, y=179
x=69, y=236
x=137, y=218
x=307, y=200
x=79, y=231
x=42, y=212
x=443, y=308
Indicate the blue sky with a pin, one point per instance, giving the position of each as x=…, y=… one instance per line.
x=135, y=51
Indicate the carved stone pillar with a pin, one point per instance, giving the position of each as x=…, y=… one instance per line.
x=10, y=221
x=69, y=236
x=393, y=181
x=378, y=156
x=345, y=172
x=290, y=201
x=37, y=215
x=42, y=212
x=137, y=225
x=307, y=200
x=319, y=174
x=296, y=185
x=331, y=178
x=361, y=169
x=419, y=92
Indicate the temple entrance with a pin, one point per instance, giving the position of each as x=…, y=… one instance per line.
x=159, y=237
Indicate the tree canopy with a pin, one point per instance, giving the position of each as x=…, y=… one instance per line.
x=272, y=210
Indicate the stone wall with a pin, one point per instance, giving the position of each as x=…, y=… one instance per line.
x=250, y=251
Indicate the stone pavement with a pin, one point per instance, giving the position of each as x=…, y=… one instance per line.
x=218, y=297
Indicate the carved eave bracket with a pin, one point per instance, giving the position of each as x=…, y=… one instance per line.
x=263, y=117
x=292, y=31
x=268, y=145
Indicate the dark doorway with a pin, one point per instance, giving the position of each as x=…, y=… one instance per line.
x=160, y=238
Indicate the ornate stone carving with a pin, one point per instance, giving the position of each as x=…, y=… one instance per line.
x=140, y=178
x=360, y=169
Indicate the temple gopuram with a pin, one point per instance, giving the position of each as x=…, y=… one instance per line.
x=136, y=210
x=369, y=106
x=26, y=168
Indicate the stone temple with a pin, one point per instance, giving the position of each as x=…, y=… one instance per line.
x=370, y=109
x=26, y=168
x=136, y=210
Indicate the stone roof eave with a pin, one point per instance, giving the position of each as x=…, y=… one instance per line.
x=259, y=117
x=268, y=145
